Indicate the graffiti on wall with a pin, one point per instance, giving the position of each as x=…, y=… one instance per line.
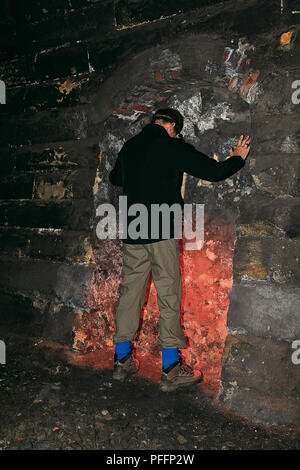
x=243, y=79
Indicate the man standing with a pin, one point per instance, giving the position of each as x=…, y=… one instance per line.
x=149, y=167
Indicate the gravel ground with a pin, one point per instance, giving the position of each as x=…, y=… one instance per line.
x=48, y=404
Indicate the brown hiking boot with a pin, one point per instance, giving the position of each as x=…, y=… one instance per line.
x=124, y=367
x=178, y=375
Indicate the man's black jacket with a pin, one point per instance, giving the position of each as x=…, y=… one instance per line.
x=150, y=167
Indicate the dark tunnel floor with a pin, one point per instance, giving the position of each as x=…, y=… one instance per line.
x=46, y=404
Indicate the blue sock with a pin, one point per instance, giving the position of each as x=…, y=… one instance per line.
x=122, y=349
x=169, y=356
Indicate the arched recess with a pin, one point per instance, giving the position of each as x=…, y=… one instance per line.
x=206, y=81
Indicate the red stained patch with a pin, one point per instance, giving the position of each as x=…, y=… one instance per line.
x=248, y=82
x=121, y=111
x=207, y=282
x=156, y=97
x=225, y=56
x=233, y=84
x=244, y=66
x=175, y=74
x=140, y=107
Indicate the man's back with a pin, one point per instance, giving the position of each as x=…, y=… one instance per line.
x=150, y=166
x=144, y=168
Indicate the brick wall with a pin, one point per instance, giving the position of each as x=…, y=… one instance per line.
x=81, y=76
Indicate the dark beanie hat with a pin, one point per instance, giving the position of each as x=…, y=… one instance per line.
x=170, y=115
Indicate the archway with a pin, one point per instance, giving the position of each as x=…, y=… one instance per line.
x=194, y=80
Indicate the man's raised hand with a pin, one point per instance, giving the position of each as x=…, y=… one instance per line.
x=243, y=147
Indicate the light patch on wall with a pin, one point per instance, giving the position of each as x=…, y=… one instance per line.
x=191, y=109
x=211, y=68
x=67, y=86
x=111, y=143
x=268, y=180
x=165, y=62
x=134, y=25
x=286, y=40
x=183, y=185
x=59, y=158
x=289, y=145
x=219, y=111
x=98, y=179
x=57, y=231
x=257, y=181
x=80, y=124
x=86, y=256
x=230, y=143
x=253, y=268
x=2, y=92
x=59, y=155
x=204, y=183
x=258, y=229
x=46, y=190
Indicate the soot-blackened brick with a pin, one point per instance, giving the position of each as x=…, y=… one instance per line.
x=130, y=12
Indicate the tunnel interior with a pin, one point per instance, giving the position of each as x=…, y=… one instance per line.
x=214, y=119
x=73, y=99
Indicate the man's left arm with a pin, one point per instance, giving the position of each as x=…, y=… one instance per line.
x=197, y=164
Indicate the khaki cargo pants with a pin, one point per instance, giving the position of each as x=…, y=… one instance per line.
x=163, y=259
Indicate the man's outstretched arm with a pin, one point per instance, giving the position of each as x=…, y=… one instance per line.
x=197, y=164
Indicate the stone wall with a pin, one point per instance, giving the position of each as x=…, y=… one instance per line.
x=83, y=76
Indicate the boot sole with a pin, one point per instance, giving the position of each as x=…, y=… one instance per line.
x=171, y=387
